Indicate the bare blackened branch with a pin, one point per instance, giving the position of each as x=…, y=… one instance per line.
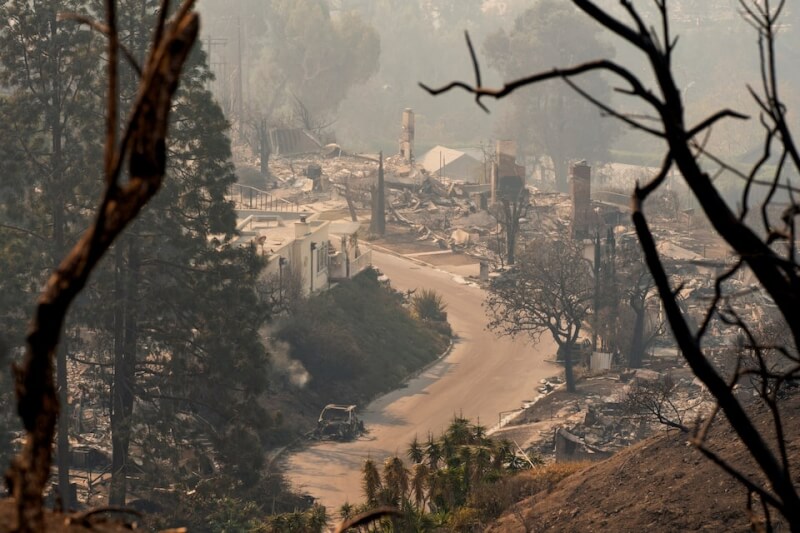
x=719, y=115
x=703, y=369
x=601, y=65
x=712, y=308
x=477, y=69
x=612, y=112
x=771, y=193
x=105, y=30
x=656, y=182
x=25, y=231
x=763, y=159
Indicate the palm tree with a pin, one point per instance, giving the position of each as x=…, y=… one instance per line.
x=317, y=518
x=479, y=434
x=459, y=431
x=465, y=458
x=395, y=480
x=347, y=510
x=371, y=482
x=415, y=451
x=419, y=484
x=483, y=461
x=433, y=451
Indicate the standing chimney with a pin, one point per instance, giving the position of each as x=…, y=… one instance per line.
x=506, y=174
x=302, y=228
x=580, y=191
x=407, y=136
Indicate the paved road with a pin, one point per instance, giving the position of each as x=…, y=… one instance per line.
x=481, y=377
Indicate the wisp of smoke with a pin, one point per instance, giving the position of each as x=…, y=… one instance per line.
x=283, y=363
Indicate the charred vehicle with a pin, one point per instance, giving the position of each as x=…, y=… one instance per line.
x=338, y=422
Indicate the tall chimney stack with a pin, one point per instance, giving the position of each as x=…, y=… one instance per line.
x=407, y=136
x=580, y=191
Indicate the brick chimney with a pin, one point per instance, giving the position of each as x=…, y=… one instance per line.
x=407, y=136
x=301, y=229
x=580, y=192
x=507, y=175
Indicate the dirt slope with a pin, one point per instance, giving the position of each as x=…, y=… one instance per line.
x=661, y=484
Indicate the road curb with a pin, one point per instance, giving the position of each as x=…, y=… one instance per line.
x=438, y=359
x=389, y=251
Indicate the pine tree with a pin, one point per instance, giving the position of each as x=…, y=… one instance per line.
x=48, y=65
x=174, y=309
x=183, y=330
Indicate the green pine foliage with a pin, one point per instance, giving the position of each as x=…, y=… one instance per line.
x=45, y=139
x=191, y=315
x=174, y=295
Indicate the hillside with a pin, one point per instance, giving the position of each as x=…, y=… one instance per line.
x=660, y=484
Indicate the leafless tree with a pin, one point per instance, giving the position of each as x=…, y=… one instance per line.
x=142, y=146
x=304, y=118
x=656, y=400
x=639, y=292
x=508, y=210
x=550, y=290
x=768, y=252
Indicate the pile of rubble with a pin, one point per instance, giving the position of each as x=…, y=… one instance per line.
x=449, y=214
x=601, y=420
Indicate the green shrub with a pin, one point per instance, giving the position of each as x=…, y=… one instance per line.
x=357, y=340
x=429, y=305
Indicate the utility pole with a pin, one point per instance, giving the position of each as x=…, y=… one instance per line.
x=597, y=269
x=211, y=42
x=377, y=225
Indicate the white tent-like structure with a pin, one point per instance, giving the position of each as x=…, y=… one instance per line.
x=454, y=164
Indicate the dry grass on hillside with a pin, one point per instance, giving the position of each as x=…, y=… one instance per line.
x=660, y=484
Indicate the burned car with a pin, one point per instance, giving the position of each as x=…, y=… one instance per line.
x=338, y=422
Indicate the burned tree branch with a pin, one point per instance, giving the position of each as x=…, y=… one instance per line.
x=702, y=368
x=601, y=65
x=105, y=30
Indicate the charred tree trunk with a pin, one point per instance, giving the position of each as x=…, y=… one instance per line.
x=597, y=268
x=380, y=203
x=511, y=244
x=513, y=210
x=348, y=196
x=62, y=383
x=569, y=375
x=63, y=427
x=377, y=225
x=512, y=228
x=637, y=345
x=125, y=336
x=116, y=495
x=636, y=355
x=59, y=246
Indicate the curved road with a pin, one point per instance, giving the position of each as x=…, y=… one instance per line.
x=481, y=377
